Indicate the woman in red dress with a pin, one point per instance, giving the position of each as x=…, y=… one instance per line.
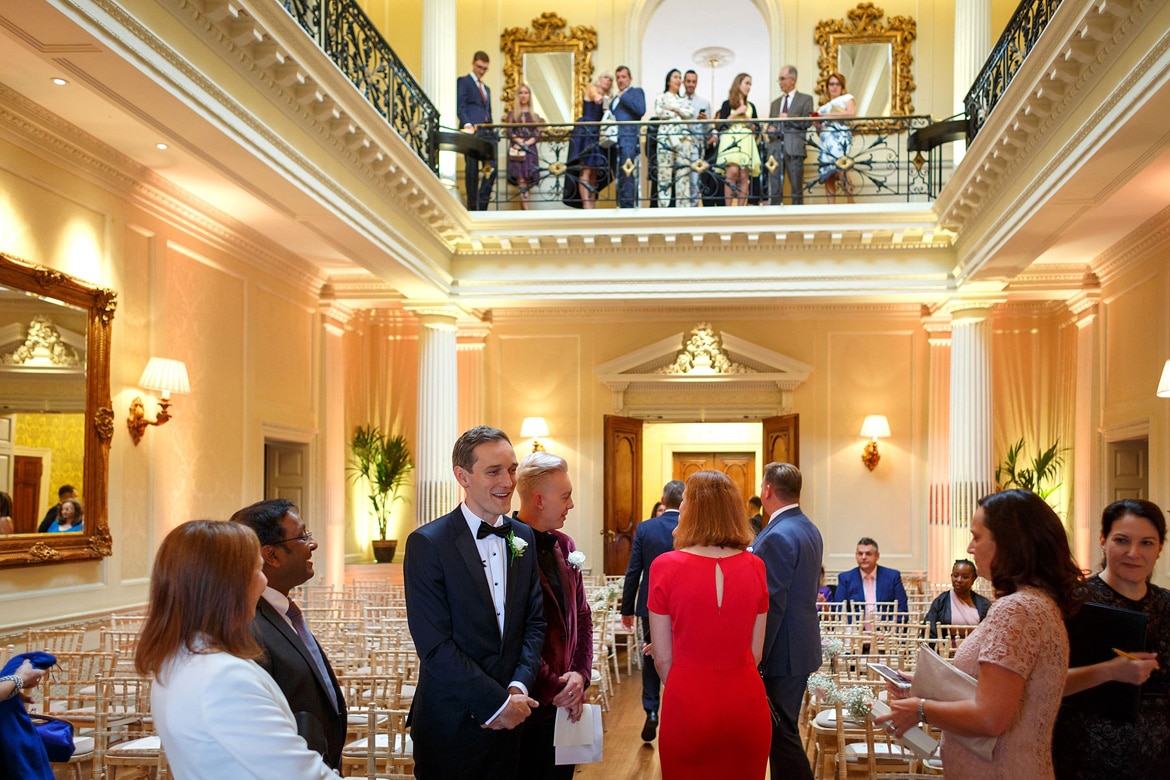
x=708, y=606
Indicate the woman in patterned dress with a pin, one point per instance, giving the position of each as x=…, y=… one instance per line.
x=1085, y=745
x=674, y=142
x=836, y=138
x=523, y=159
x=1018, y=654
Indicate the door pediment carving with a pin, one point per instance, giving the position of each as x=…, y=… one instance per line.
x=703, y=374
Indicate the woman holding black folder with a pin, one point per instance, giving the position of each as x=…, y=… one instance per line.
x=1086, y=744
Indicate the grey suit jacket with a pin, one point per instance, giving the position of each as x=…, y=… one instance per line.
x=293, y=669
x=791, y=134
x=791, y=548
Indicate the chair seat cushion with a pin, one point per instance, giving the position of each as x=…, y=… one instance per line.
x=882, y=751
x=359, y=747
x=143, y=747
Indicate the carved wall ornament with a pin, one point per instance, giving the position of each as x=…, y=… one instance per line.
x=864, y=25
x=703, y=354
x=43, y=346
x=548, y=34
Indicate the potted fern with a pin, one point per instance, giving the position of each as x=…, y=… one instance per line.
x=1039, y=476
x=384, y=462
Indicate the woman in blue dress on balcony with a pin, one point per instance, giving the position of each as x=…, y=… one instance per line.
x=523, y=154
x=588, y=161
x=836, y=138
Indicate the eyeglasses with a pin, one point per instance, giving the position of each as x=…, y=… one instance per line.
x=306, y=537
x=834, y=83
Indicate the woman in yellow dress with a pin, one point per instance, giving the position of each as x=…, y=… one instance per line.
x=739, y=152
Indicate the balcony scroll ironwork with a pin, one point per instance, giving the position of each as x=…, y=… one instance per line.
x=343, y=31
x=1021, y=34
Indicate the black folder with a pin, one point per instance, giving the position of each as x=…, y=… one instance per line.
x=1092, y=634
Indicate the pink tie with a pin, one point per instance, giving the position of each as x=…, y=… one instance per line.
x=482, y=92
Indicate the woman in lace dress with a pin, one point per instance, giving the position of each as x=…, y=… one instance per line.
x=1085, y=745
x=1018, y=654
x=674, y=142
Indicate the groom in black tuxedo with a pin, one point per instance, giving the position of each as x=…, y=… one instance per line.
x=474, y=605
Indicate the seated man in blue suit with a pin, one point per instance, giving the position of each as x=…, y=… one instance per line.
x=870, y=583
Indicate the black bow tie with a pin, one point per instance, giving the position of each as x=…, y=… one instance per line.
x=501, y=530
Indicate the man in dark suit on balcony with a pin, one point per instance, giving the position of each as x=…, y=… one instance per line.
x=653, y=537
x=473, y=101
x=628, y=106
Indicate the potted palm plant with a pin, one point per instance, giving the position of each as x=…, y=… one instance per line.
x=384, y=462
x=1040, y=475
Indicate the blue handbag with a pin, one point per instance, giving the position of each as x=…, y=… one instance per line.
x=57, y=735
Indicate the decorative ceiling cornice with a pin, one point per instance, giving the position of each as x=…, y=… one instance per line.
x=1152, y=236
x=1079, y=41
x=675, y=311
x=28, y=125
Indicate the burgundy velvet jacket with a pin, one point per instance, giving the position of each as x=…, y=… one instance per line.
x=568, y=635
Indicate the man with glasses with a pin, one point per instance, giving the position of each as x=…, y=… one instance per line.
x=786, y=139
x=291, y=653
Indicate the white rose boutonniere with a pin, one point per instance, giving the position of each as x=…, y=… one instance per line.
x=516, y=546
x=576, y=559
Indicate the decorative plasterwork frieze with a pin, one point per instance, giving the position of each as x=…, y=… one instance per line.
x=263, y=42
x=644, y=311
x=763, y=374
x=1151, y=236
x=1081, y=38
x=30, y=126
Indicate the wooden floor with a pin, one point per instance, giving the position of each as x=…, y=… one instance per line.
x=626, y=756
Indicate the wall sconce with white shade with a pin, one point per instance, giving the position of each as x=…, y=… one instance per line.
x=533, y=428
x=1164, y=382
x=166, y=376
x=875, y=427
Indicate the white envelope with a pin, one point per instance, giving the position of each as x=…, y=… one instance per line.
x=580, y=742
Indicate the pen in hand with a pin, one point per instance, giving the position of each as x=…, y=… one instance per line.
x=1132, y=657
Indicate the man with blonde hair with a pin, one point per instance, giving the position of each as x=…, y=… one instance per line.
x=566, y=660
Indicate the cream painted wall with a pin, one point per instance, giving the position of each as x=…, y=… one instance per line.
x=246, y=335
x=620, y=25
x=862, y=365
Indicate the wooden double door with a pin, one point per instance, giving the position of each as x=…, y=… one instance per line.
x=623, y=475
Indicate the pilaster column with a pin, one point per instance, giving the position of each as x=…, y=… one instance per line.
x=972, y=461
x=440, y=71
x=333, y=440
x=1085, y=451
x=436, y=491
x=470, y=346
x=972, y=45
x=938, y=449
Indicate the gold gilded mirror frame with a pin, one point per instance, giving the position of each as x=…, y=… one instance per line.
x=548, y=35
x=99, y=302
x=864, y=25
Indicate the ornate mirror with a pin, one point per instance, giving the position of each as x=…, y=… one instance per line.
x=554, y=64
x=56, y=420
x=874, y=58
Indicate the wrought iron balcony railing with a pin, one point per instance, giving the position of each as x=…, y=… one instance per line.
x=692, y=162
x=344, y=32
x=1021, y=34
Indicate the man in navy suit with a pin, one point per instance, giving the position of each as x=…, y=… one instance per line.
x=653, y=537
x=292, y=655
x=473, y=106
x=475, y=611
x=870, y=583
x=790, y=547
x=628, y=106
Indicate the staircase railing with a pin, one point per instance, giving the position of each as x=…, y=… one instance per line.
x=1021, y=34
x=344, y=32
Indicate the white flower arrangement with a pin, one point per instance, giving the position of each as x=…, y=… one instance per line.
x=576, y=559
x=856, y=701
x=516, y=546
x=823, y=686
x=832, y=647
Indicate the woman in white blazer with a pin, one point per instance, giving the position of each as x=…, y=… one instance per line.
x=218, y=713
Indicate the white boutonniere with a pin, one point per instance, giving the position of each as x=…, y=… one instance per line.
x=576, y=559
x=516, y=546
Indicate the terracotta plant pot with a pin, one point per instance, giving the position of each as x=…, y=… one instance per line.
x=384, y=550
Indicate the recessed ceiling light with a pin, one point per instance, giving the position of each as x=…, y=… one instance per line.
x=60, y=82
x=161, y=147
